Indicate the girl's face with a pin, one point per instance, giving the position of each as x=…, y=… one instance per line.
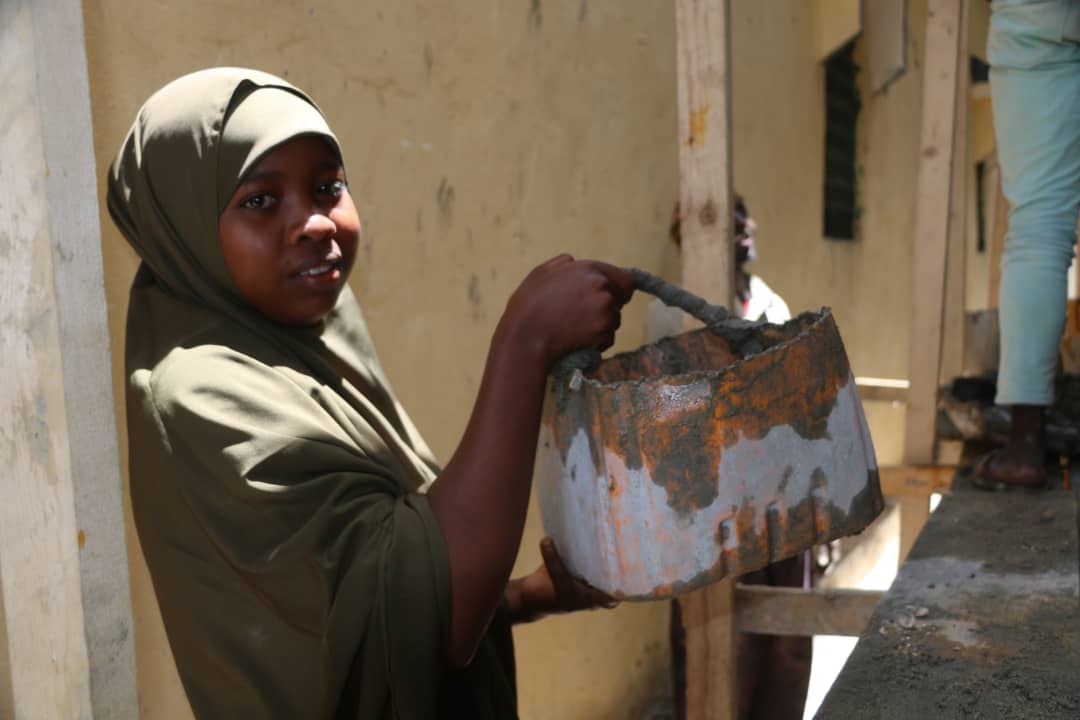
x=289, y=232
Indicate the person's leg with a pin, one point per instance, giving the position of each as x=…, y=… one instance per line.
x=1035, y=84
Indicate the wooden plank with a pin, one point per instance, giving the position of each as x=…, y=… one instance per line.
x=705, y=200
x=704, y=116
x=916, y=481
x=886, y=36
x=792, y=611
x=990, y=591
x=981, y=125
x=999, y=227
x=979, y=29
x=952, y=352
x=882, y=389
x=932, y=225
x=836, y=22
x=708, y=618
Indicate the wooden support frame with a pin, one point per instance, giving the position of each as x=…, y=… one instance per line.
x=945, y=68
x=792, y=611
x=916, y=481
x=952, y=351
x=705, y=199
x=932, y=223
x=882, y=389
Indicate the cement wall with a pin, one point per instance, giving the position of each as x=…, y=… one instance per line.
x=480, y=143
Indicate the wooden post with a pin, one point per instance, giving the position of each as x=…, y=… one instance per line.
x=945, y=28
x=704, y=113
x=66, y=641
x=952, y=359
x=999, y=226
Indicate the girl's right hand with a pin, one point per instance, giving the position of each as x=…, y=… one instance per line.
x=565, y=305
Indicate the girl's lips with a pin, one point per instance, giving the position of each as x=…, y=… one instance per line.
x=329, y=276
x=318, y=268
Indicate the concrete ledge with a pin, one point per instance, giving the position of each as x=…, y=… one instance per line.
x=983, y=619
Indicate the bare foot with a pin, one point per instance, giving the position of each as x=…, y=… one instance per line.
x=1020, y=462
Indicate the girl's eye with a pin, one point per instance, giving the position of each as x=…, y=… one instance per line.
x=259, y=202
x=334, y=188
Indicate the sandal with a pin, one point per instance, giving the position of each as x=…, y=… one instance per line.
x=981, y=476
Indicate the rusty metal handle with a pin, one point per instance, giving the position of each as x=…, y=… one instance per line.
x=669, y=294
x=675, y=296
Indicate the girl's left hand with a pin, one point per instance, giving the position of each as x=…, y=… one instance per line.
x=552, y=589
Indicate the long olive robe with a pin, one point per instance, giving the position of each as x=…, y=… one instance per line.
x=279, y=489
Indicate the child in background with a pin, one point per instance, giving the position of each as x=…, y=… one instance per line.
x=309, y=557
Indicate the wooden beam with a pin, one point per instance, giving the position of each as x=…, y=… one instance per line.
x=952, y=353
x=882, y=389
x=708, y=617
x=932, y=220
x=705, y=191
x=917, y=481
x=946, y=28
x=704, y=114
x=792, y=611
x=978, y=29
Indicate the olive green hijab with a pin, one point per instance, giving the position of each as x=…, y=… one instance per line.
x=278, y=488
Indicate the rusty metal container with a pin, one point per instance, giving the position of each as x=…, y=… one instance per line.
x=706, y=455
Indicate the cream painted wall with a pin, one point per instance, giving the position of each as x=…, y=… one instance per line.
x=479, y=143
x=779, y=119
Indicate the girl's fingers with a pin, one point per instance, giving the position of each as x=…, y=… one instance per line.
x=552, y=561
x=567, y=586
x=560, y=259
x=620, y=282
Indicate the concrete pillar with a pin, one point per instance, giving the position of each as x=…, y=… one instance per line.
x=66, y=639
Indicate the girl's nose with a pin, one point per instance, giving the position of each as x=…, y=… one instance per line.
x=317, y=225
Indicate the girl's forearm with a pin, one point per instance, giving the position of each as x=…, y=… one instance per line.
x=481, y=498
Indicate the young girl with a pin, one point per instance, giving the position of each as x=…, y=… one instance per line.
x=309, y=557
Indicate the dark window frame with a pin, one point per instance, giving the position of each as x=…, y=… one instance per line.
x=842, y=106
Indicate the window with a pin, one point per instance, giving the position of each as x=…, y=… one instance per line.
x=842, y=106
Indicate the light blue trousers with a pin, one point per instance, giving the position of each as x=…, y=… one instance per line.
x=1035, y=86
